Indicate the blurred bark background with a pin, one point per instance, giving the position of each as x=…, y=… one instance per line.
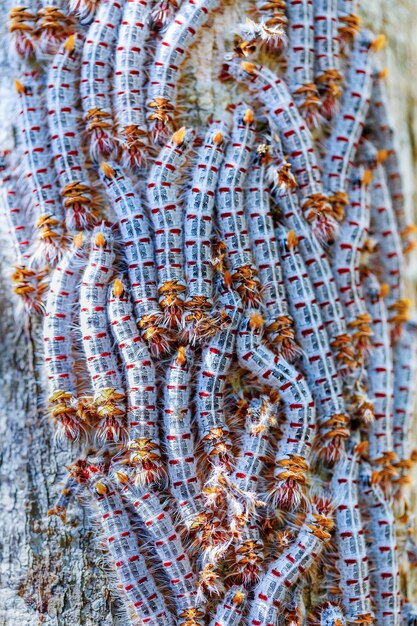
x=52, y=573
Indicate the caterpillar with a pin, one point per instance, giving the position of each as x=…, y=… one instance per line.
x=230, y=611
x=96, y=68
x=300, y=59
x=170, y=53
x=166, y=215
x=380, y=375
x=132, y=571
x=36, y=164
x=78, y=196
x=318, y=269
x=318, y=360
x=297, y=141
x=298, y=429
x=129, y=81
x=200, y=320
x=280, y=324
x=138, y=252
x=230, y=202
x=272, y=591
x=384, y=571
x=101, y=361
x=327, y=69
x=21, y=26
x=142, y=413
x=349, y=20
x=58, y=341
x=53, y=26
x=347, y=129
x=350, y=539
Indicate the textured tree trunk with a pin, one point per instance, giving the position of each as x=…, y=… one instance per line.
x=52, y=573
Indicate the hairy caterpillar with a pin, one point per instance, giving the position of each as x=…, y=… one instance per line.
x=170, y=53
x=129, y=81
x=53, y=26
x=349, y=20
x=79, y=199
x=230, y=198
x=265, y=252
x=96, y=67
x=21, y=25
x=200, y=321
x=37, y=171
x=230, y=610
x=142, y=413
x=327, y=70
x=298, y=430
x=138, y=252
x=101, y=361
x=347, y=129
x=166, y=214
x=297, y=141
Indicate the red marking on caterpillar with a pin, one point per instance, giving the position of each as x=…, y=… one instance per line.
x=327, y=70
x=78, y=196
x=95, y=85
x=129, y=79
x=36, y=164
x=53, y=26
x=101, y=361
x=297, y=142
x=294, y=449
x=265, y=251
x=318, y=361
x=166, y=215
x=200, y=320
x=230, y=206
x=21, y=25
x=170, y=53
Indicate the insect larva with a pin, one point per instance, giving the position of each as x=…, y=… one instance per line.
x=169, y=56
x=249, y=557
x=298, y=430
x=200, y=321
x=350, y=540
x=38, y=172
x=179, y=440
x=300, y=59
x=348, y=126
x=349, y=20
x=53, y=26
x=405, y=368
x=279, y=323
x=327, y=69
x=138, y=252
x=166, y=540
x=272, y=591
x=130, y=566
x=129, y=79
x=332, y=615
x=297, y=141
x=84, y=10
x=95, y=84
x=346, y=253
x=216, y=360
x=317, y=264
x=318, y=360
x=142, y=414
x=380, y=375
x=166, y=214
x=62, y=92
x=163, y=12
x=230, y=206
x=383, y=557
x=59, y=341
x=21, y=26
x=101, y=360
x=230, y=610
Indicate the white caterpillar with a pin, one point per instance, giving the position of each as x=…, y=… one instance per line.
x=101, y=360
x=165, y=70
x=383, y=556
x=166, y=214
x=95, y=84
x=230, y=206
x=62, y=93
x=142, y=413
x=327, y=70
x=129, y=82
x=297, y=141
x=298, y=430
x=265, y=252
x=38, y=172
x=200, y=320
